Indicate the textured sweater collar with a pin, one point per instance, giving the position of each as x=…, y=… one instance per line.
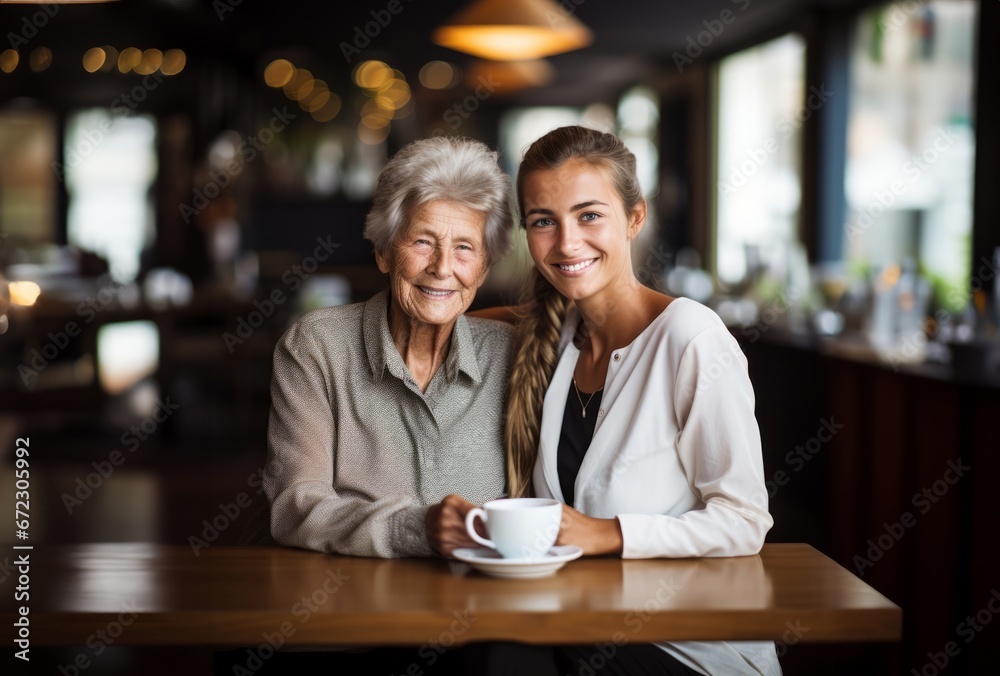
x=382, y=352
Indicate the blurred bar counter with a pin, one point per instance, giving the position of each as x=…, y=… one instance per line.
x=891, y=470
x=971, y=364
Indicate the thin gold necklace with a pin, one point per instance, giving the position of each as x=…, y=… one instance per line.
x=582, y=405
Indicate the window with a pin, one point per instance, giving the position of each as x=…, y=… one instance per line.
x=760, y=111
x=638, y=116
x=27, y=179
x=911, y=144
x=109, y=164
x=521, y=127
x=127, y=352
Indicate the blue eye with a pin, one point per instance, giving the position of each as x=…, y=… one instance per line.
x=542, y=222
x=590, y=216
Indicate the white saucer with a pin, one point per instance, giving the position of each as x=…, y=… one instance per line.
x=488, y=561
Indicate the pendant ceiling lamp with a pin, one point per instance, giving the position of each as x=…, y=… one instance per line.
x=506, y=30
x=510, y=76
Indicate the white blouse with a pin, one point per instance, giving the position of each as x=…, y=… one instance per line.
x=676, y=455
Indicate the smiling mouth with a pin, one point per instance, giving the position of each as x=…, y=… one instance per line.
x=435, y=293
x=576, y=267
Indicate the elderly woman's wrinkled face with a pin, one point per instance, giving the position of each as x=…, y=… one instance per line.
x=439, y=263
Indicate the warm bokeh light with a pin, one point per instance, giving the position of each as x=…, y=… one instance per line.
x=890, y=276
x=313, y=95
x=279, y=73
x=405, y=111
x=41, y=59
x=304, y=90
x=300, y=85
x=372, y=137
x=387, y=92
x=508, y=30
x=129, y=59
x=317, y=98
x=509, y=43
x=23, y=293
x=329, y=110
x=110, y=59
x=510, y=76
x=372, y=107
x=384, y=102
x=398, y=92
x=296, y=81
x=174, y=61
x=8, y=60
x=94, y=59
x=150, y=62
x=374, y=116
x=438, y=75
x=372, y=74
x=375, y=121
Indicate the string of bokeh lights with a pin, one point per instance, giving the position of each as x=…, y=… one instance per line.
x=385, y=93
x=104, y=59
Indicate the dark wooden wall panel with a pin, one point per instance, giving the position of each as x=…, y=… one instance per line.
x=881, y=459
x=936, y=419
x=848, y=484
x=900, y=432
x=981, y=650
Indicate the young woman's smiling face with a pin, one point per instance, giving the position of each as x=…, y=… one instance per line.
x=578, y=229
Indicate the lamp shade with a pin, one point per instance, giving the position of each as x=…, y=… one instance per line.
x=510, y=76
x=504, y=30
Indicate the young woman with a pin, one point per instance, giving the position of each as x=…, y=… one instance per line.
x=632, y=407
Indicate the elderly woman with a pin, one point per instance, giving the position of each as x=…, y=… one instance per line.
x=386, y=416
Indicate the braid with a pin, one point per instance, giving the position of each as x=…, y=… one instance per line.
x=536, y=340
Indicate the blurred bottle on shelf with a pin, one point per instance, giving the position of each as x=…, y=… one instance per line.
x=899, y=302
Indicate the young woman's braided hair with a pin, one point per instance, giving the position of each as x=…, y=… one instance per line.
x=536, y=340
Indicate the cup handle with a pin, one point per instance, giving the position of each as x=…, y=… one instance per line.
x=470, y=526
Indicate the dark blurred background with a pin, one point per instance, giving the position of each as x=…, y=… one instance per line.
x=182, y=179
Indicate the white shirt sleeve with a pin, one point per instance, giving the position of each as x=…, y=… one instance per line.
x=720, y=451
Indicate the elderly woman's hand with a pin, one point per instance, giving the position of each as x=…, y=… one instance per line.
x=595, y=536
x=445, y=524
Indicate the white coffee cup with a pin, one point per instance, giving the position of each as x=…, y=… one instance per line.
x=519, y=528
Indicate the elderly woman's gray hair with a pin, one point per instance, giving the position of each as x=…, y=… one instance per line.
x=457, y=169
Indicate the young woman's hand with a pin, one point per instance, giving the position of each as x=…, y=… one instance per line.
x=445, y=524
x=595, y=536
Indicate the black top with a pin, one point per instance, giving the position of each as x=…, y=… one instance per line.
x=574, y=440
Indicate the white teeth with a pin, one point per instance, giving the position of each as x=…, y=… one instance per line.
x=578, y=266
x=431, y=292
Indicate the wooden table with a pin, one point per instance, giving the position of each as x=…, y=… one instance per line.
x=145, y=594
